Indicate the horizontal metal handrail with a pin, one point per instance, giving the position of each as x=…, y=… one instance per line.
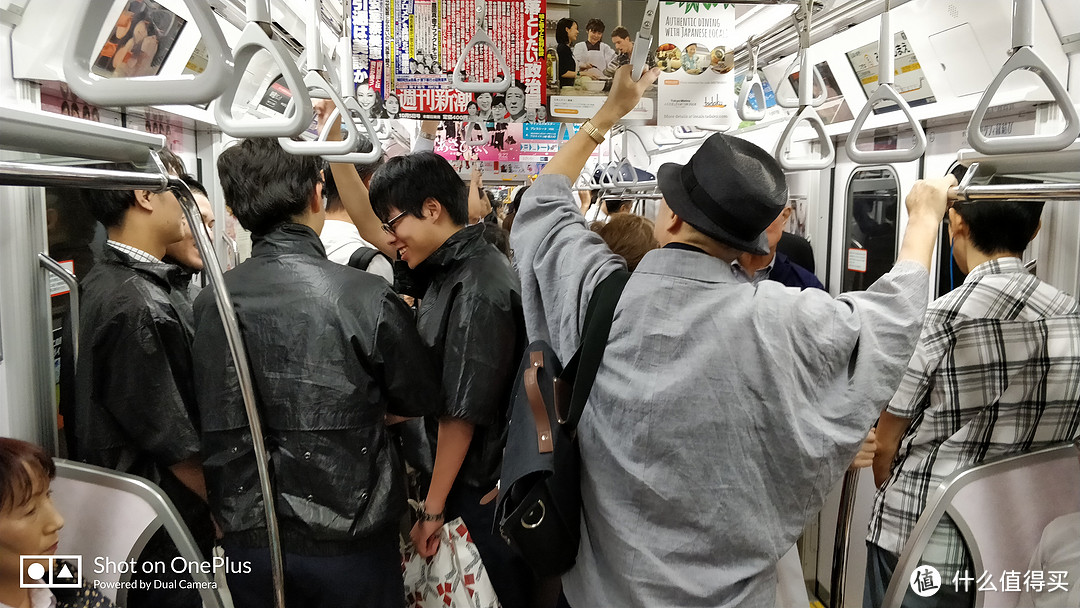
x=1034, y=192
x=29, y=174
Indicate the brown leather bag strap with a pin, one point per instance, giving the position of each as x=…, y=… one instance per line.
x=536, y=403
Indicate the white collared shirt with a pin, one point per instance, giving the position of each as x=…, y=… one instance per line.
x=134, y=252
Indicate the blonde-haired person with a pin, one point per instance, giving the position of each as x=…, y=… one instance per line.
x=628, y=235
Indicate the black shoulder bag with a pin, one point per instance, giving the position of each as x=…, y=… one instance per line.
x=539, y=505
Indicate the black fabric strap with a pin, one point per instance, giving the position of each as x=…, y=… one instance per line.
x=362, y=257
x=584, y=364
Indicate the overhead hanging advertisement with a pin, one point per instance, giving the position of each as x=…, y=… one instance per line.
x=908, y=77
x=405, y=51
x=696, y=58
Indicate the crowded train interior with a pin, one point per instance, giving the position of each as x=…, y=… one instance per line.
x=539, y=303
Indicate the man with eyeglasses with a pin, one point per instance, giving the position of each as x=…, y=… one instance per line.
x=470, y=317
x=333, y=351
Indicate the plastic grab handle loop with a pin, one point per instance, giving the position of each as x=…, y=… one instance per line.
x=478, y=38
x=751, y=84
x=476, y=142
x=885, y=92
x=1024, y=58
x=643, y=44
x=147, y=90
x=321, y=146
x=252, y=40
x=794, y=102
x=828, y=152
x=355, y=158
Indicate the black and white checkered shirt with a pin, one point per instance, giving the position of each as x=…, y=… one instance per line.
x=137, y=254
x=996, y=372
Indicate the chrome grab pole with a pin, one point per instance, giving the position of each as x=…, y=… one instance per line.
x=29, y=174
x=72, y=283
x=842, y=539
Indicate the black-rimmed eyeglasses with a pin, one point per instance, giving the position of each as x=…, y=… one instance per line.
x=388, y=226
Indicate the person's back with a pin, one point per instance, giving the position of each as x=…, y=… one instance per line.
x=332, y=351
x=722, y=412
x=995, y=373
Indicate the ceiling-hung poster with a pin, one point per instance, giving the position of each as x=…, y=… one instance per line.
x=695, y=55
x=405, y=51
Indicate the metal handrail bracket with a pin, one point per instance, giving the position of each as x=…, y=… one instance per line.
x=643, y=43
x=481, y=37
x=146, y=90
x=1024, y=58
x=801, y=19
x=253, y=39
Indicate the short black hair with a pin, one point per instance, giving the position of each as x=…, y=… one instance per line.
x=172, y=162
x=194, y=185
x=264, y=185
x=405, y=182
x=561, y=35
x=1001, y=226
x=620, y=32
x=595, y=25
x=109, y=206
x=330, y=190
x=16, y=482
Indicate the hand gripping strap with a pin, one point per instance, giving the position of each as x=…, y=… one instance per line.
x=356, y=158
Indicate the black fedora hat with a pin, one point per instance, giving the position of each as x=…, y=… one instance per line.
x=731, y=190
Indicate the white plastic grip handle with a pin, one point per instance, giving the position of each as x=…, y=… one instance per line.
x=355, y=158
x=1024, y=58
x=479, y=141
x=498, y=86
x=828, y=152
x=146, y=90
x=885, y=92
x=314, y=82
x=793, y=102
x=751, y=84
x=252, y=40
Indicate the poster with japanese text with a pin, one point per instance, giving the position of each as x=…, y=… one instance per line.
x=405, y=52
x=694, y=53
x=908, y=77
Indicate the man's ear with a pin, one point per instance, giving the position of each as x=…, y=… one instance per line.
x=316, y=202
x=142, y=199
x=433, y=209
x=957, y=225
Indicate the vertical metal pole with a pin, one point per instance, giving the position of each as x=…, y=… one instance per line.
x=843, y=537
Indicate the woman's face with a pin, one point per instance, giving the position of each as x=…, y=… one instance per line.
x=515, y=100
x=365, y=96
x=392, y=104
x=541, y=114
x=483, y=100
x=472, y=108
x=29, y=529
x=573, y=32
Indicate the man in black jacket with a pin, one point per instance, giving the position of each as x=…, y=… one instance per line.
x=135, y=402
x=470, y=317
x=332, y=350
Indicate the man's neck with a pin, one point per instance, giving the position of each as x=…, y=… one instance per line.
x=751, y=263
x=340, y=215
x=139, y=238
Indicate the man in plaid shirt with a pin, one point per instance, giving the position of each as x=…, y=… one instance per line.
x=996, y=372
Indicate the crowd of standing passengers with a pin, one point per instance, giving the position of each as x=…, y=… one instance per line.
x=701, y=462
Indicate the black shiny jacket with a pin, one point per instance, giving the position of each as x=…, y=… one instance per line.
x=470, y=316
x=134, y=398
x=332, y=350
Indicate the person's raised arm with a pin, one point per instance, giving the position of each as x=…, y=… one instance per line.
x=425, y=139
x=351, y=189
x=926, y=205
x=625, y=95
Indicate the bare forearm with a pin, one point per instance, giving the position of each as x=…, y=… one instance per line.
x=190, y=473
x=575, y=153
x=453, y=443
x=890, y=430
x=919, y=240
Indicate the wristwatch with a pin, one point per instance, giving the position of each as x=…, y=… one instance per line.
x=423, y=515
x=427, y=135
x=590, y=129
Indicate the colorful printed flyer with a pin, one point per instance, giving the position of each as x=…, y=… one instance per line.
x=694, y=52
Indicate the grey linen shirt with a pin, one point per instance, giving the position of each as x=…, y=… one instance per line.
x=722, y=412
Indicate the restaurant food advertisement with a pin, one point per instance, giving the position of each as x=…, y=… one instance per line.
x=695, y=54
x=405, y=51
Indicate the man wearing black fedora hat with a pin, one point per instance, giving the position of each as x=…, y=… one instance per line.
x=722, y=412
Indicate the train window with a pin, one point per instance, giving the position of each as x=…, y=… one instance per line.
x=870, y=239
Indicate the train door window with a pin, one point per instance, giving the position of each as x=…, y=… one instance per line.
x=870, y=239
